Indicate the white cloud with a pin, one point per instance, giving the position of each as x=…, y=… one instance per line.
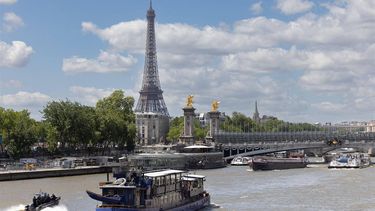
x=8, y=1
x=106, y=62
x=279, y=63
x=126, y=35
x=24, y=99
x=290, y=7
x=32, y=101
x=329, y=107
x=12, y=22
x=326, y=81
x=11, y=84
x=16, y=54
x=91, y=95
x=256, y=8
x=266, y=60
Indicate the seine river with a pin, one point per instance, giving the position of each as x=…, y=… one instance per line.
x=231, y=188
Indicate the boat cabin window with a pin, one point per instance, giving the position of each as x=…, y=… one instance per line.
x=114, y=191
x=168, y=179
x=178, y=178
x=173, y=178
x=108, y=192
x=160, y=181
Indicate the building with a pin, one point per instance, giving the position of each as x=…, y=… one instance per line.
x=266, y=118
x=370, y=127
x=204, y=118
x=346, y=126
x=152, y=117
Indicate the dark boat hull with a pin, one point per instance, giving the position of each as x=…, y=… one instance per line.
x=277, y=163
x=107, y=200
x=191, y=206
x=344, y=167
x=45, y=205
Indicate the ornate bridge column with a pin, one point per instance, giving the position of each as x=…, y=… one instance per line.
x=214, y=116
x=188, y=134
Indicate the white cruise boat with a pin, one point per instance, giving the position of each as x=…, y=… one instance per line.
x=350, y=160
x=241, y=161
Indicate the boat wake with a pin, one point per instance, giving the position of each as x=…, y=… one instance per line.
x=315, y=166
x=16, y=208
x=213, y=205
x=57, y=208
x=343, y=169
x=21, y=207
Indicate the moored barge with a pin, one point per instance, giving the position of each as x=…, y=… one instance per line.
x=275, y=163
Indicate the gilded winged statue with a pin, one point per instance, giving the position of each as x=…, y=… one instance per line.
x=215, y=105
x=189, y=101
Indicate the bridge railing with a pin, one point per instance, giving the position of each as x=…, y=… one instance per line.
x=231, y=137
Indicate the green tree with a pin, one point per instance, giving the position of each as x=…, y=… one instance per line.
x=20, y=132
x=238, y=122
x=199, y=131
x=70, y=123
x=116, y=120
x=177, y=126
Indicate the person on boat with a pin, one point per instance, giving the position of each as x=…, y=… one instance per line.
x=34, y=200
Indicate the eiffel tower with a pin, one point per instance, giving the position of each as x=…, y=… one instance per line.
x=152, y=117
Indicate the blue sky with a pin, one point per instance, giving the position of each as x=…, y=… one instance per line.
x=302, y=60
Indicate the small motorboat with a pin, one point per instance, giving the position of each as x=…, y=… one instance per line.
x=241, y=161
x=42, y=200
x=350, y=160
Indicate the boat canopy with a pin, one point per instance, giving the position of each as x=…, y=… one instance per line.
x=188, y=179
x=195, y=176
x=118, y=186
x=163, y=173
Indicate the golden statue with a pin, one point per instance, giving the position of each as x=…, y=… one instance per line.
x=189, y=101
x=215, y=105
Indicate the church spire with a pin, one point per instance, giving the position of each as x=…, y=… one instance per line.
x=256, y=116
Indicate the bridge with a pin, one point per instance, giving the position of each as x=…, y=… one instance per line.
x=259, y=143
x=233, y=137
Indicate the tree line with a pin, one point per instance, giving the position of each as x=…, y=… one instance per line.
x=68, y=125
x=239, y=122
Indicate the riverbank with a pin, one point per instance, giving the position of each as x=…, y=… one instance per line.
x=52, y=172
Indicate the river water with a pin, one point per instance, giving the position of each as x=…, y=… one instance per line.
x=231, y=188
